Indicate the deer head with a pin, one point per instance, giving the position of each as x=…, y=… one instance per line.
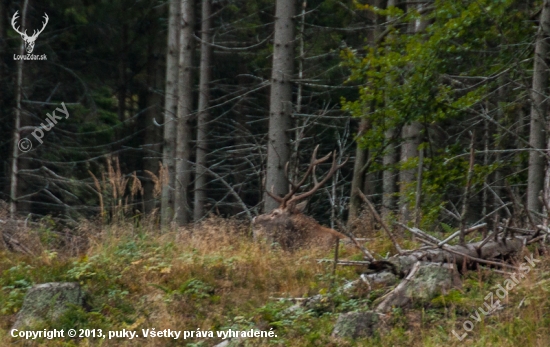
x=287, y=225
x=29, y=40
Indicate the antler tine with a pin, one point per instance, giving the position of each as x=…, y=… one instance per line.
x=314, y=162
x=312, y=165
x=320, y=161
x=290, y=196
x=35, y=32
x=317, y=184
x=274, y=196
x=14, y=22
x=47, y=19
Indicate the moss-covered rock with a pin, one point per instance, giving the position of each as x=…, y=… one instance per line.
x=356, y=324
x=47, y=302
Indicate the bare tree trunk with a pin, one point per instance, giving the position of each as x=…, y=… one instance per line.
x=203, y=112
x=418, y=198
x=485, y=205
x=300, y=125
x=185, y=110
x=499, y=174
x=409, y=149
x=154, y=106
x=3, y=17
x=389, y=178
x=17, y=120
x=280, y=108
x=410, y=135
x=170, y=110
x=539, y=108
x=122, y=74
x=360, y=178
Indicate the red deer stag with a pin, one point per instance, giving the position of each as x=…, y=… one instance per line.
x=286, y=225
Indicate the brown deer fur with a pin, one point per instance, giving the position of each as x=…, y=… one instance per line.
x=287, y=225
x=291, y=229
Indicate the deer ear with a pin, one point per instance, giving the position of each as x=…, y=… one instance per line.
x=301, y=206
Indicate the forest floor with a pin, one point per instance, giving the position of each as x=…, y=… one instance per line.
x=214, y=278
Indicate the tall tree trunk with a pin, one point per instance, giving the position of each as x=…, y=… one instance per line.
x=361, y=155
x=17, y=120
x=185, y=110
x=539, y=108
x=487, y=136
x=299, y=126
x=389, y=178
x=410, y=135
x=154, y=106
x=409, y=149
x=360, y=177
x=122, y=74
x=500, y=117
x=170, y=111
x=203, y=112
x=236, y=161
x=278, y=146
x=2, y=38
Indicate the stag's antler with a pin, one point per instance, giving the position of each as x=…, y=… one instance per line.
x=13, y=23
x=46, y=18
x=290, y=197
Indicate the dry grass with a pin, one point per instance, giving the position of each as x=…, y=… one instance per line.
x=201, y=277
x=214, y=278
x=119, y=193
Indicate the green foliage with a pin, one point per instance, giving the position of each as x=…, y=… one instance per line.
x=196, y=289
x=47, y=232
x=438, y=77
x=404, y=77
x=82, y=270
x=15, y=282
x=453, y=297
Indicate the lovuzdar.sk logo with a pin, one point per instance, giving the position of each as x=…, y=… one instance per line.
x=29, y=40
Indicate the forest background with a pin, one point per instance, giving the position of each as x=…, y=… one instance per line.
x=186, y=109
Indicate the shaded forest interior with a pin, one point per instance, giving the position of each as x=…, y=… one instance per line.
x=186, y=109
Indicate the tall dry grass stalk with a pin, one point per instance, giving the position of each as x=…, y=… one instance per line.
x=100, y=196
x=159, y=181
x=115, y=193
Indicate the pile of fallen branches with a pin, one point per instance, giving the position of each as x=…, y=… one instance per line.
x=434, y=267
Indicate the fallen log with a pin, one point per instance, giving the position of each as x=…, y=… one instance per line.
x=469, y=254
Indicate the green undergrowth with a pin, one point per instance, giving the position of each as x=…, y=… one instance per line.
x=214, y=278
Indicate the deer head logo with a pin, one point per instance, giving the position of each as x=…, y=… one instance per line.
x=29, y=40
